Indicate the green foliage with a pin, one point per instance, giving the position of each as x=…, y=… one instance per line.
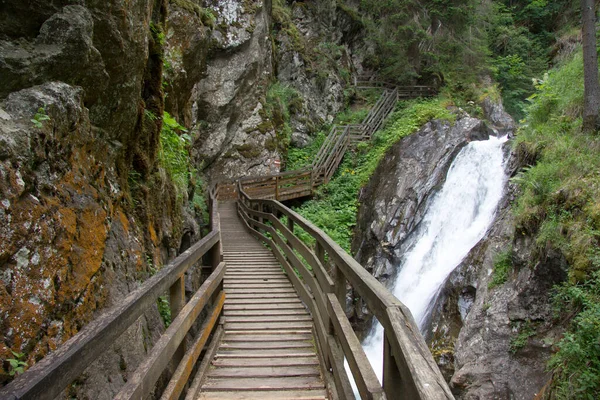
x=502, y=267
x=281, y=102
x=158, y=34
x=335, y=206
x=525, y=330
x=174, y=152
x=558, y=201
x=164, y=309
x=576, y=365
x=40, y=117
x=559, y=207
x=17, y=366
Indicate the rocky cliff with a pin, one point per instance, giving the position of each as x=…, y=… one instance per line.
x=394, y=200
x=87, y=210
x=79, y=227
x=491, y=322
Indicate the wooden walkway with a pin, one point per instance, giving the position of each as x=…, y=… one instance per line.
x=268, y=348
x=303, y=182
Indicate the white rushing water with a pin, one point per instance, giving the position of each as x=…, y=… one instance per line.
x=455, y=220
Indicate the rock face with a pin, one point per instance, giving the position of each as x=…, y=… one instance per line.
x=393, y=202
x=85, y=215
x=485, y=334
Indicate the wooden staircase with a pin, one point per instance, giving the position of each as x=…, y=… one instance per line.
x=268, y=349
x=301, y=183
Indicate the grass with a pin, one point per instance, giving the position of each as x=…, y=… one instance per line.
x=502, y=267
x=335, y=206
x=559, y=207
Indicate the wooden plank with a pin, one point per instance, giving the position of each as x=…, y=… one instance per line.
x=315, y=394
x=266, y=362
x=269, y=354
x=262, y=300
x=205, y=365
x=261, y=327
x=261, y=291
x=239, y=337
x=48, y=377
x=293, y=344
x=264, y=372
x=269, y=318
x=244, y=384
x=252, y=313
x=141, y=382
x=364, y=376
x=185, y=367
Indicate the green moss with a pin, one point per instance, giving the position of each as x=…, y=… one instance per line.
x=502, y=267
x=271, y=144
x=248, y=150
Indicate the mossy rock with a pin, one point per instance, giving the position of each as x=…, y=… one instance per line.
x=248, y=150
x=271, y=144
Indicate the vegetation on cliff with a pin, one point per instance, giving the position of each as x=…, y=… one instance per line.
x=335, y=205
x=559, y=208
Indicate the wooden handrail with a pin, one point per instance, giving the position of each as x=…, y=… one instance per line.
x=51, y=375
x=409, y=369
x=294, y=184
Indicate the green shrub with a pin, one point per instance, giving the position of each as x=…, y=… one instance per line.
x=576, y=365
x=558, y=206
x=502, y=267
x=173, y=154
x=335, y=205
x=280, y=103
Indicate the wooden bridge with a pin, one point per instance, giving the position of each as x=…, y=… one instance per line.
x=275, y=325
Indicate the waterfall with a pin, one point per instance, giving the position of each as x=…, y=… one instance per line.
x=455, y=220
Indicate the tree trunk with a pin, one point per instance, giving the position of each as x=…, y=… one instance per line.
x=590, y=67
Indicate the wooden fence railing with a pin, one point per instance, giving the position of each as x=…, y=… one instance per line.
x=50, y=376
x=321, y=277
x=303, y=182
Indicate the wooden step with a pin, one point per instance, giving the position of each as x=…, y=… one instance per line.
x=245, y=384
x=317, y=394
x=264, y=313
x=264, y=372
x=254, y=326
x=265, y=362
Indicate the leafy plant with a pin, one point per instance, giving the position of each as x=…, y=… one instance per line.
x=576, y=365
x=17, y=366
x=164, y=309
x=40, y=117
x=502, y=267
x=173, y=154
x=526, y=330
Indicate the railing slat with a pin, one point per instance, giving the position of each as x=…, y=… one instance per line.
x=144, y=378
x=47, y=378
x=366, y=381
x=184, y=370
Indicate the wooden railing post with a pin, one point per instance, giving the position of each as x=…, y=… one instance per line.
x=277, y=188
x=340, y=286
x=176, y=303
x=290, y=225
x=392, y=380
